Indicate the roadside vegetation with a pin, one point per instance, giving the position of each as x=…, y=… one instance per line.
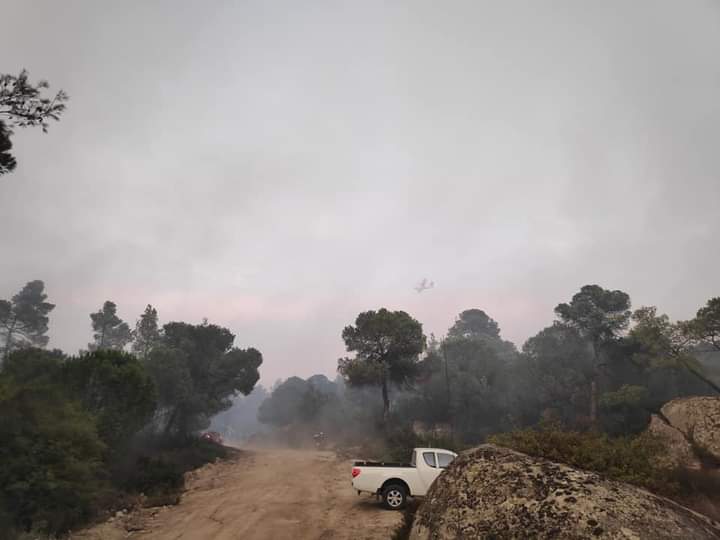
x=85, y=435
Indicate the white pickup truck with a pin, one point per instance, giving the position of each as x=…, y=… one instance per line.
x=395, y=482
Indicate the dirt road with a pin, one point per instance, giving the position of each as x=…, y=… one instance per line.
x=267, y=494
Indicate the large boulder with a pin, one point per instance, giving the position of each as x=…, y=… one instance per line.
x=678, y=450
x=698, y=418
x=492, y=492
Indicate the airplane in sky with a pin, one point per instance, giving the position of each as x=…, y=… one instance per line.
x=424, y=285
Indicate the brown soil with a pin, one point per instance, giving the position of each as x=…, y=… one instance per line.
x=265, y=494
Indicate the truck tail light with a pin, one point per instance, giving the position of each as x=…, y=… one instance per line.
x=355, y=472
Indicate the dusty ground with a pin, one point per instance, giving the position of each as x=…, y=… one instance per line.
x=266, y=494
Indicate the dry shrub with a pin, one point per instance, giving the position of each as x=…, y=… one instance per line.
x=628, y=459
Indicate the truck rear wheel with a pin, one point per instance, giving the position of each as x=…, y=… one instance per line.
x=394, y=497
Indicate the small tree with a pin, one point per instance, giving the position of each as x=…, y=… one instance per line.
x=23, y=105
x=600, y=315
x=387, y=345
x=147, y=333
x=109, y=330
x=24, y=319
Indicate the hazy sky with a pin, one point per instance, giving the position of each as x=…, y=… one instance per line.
x=278, y=167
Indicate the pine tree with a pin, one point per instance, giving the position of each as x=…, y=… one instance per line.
x=147, y=332
x=110, y=332
x=24, y=319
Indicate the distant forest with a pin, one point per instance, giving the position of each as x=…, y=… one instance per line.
x=600, y=366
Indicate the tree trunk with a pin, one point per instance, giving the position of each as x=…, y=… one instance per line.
x=447, y=392
x=171, y=422
x=594, y=388
x=8, y=341
x=385, y=396
x=593, y=401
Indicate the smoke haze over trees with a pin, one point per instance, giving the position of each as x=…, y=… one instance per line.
x=506, y=189
x=585, y=370
x=551, y=169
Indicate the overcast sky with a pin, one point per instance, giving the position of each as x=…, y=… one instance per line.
x=278, y=167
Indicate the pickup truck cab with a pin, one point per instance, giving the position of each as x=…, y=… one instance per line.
x=395, y=482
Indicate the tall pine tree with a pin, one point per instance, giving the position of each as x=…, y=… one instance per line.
x=110, y=332
x=24, y=319
x=147, y=332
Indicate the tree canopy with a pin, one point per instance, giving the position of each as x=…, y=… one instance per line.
x=147, y=332
x=705, y=327
x=197, y=370
x=109, y=331
x=24, y=318
x=664, y=343
x=22, y=104
x=114, y=387
x=599, y=315
x=474, y=323
x=7, y=160
x=387, y=346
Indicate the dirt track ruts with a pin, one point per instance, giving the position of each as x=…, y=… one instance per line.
x=265, y=494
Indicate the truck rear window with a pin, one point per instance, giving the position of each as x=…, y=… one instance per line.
x=444, y=459
x=429, y=458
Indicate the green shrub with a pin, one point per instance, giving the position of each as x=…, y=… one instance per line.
x=156, y=475
x=68, y=444
x=114, y=387
x=51, y=460
x=631, y=459
x=625, y=411
x=158, y=467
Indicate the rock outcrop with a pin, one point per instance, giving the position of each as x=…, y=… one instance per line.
x=678, y=450
x=698, y=419
x=492, y=492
